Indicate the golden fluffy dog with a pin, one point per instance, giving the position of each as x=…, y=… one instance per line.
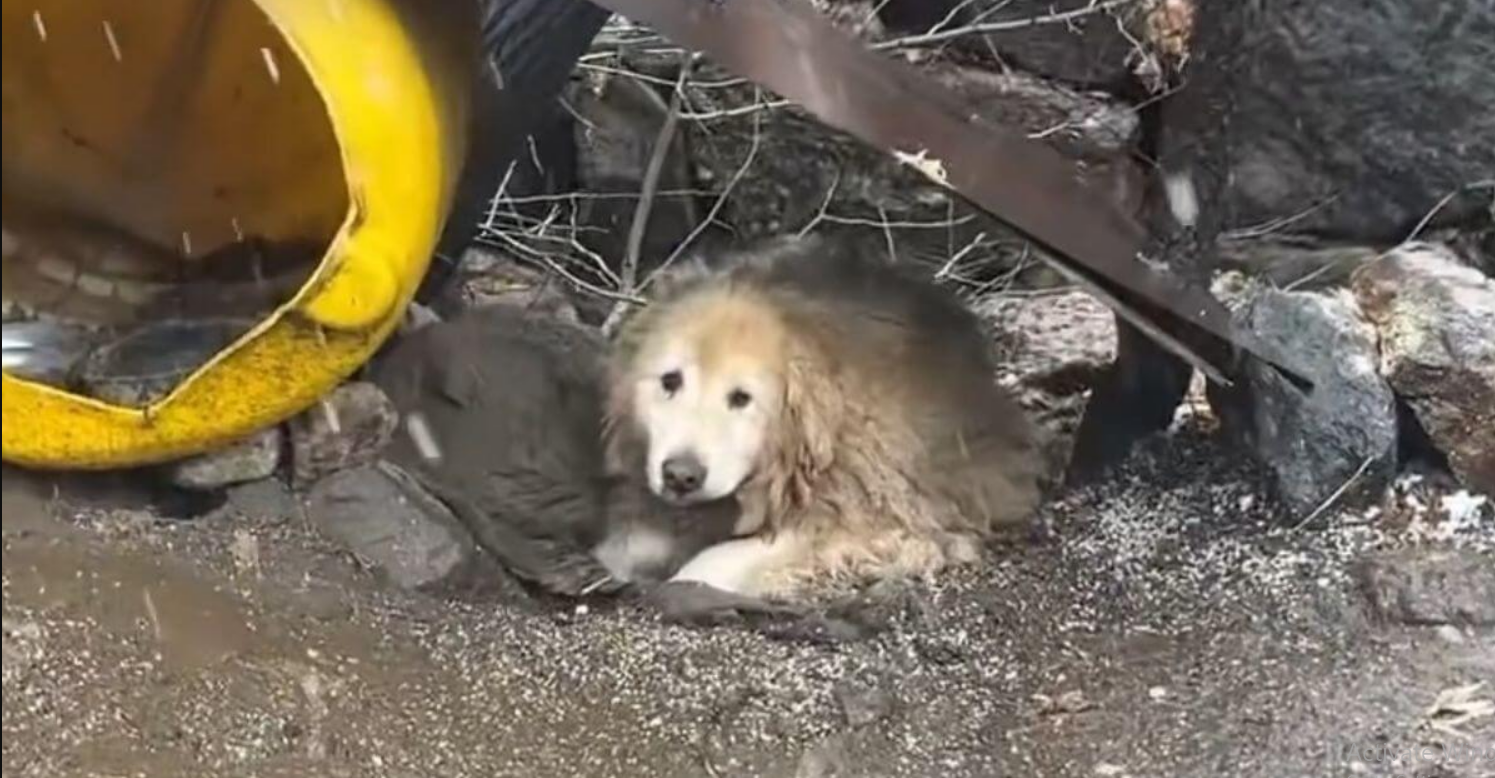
x=848, y=406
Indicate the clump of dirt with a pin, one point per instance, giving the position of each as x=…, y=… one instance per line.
x=1169, y=621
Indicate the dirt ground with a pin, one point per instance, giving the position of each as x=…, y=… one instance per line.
x=1169, y=622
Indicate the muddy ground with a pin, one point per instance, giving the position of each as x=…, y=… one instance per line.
x=1169, y=622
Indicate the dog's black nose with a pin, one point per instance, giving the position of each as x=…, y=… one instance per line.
x=683, y=474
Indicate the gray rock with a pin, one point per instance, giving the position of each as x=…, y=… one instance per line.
x=22, y=645
x=1344, y=433
x=1056, y=342
x=1283, y=115
x=1436, y=319
x=863, y=704
x=251, y=459
x=1050, y=349
x=488, y=277
x=267, y=498
x=323, y=602
x=829, y=758
x=1430, y=587
x=348, y=428
x=384, y=519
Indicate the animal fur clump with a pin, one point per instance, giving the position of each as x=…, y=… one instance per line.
x=846, y=405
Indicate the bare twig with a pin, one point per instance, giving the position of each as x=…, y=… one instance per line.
x=1276, y=225
x=1443, y=203
x=950, y=264
x=597, y=261
x=626, y=73
x=548, y=262
x=939, y=224
x=756, y=107
x=574, y=197
x=1006, y=25
x=825, y=203
x=1412, y=236
x=1338, y=493
x=716, y=206
x=887, y=234
x=961, y=6
x=640, y=225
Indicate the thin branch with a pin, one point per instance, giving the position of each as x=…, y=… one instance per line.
x=887, y=234
x=1058, y=17
x=573, y=197
x=636, y=231
x=1338, y=493
x=743, y=110
x=949, y=266
x=716, y=206
x=825, y=203
x=940, y=224
x=1443, y=203
x=547, y=262
x=597, y=260
x=1276, y=225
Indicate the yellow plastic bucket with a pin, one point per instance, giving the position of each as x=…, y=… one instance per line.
x=192, y=122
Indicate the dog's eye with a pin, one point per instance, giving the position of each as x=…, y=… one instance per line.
x=738, y=399
x=671, y=381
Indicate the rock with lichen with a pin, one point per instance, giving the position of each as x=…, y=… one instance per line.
x=1435, y=318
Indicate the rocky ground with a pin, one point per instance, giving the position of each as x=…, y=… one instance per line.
x=1170, y=621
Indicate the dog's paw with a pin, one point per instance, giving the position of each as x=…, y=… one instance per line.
x=578, y=575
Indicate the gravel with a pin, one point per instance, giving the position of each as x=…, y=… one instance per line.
x=1169, y=621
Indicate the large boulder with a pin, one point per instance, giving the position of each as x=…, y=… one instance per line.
x=1345, y=118
x=1436, y=320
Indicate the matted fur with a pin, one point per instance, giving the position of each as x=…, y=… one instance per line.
x=891, y=450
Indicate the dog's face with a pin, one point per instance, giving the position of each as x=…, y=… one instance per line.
x=707, y=389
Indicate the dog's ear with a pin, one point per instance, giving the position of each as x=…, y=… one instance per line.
x=806, y=436
x=621, y=446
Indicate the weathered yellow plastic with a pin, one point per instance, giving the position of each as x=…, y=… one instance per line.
x=364, y=141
